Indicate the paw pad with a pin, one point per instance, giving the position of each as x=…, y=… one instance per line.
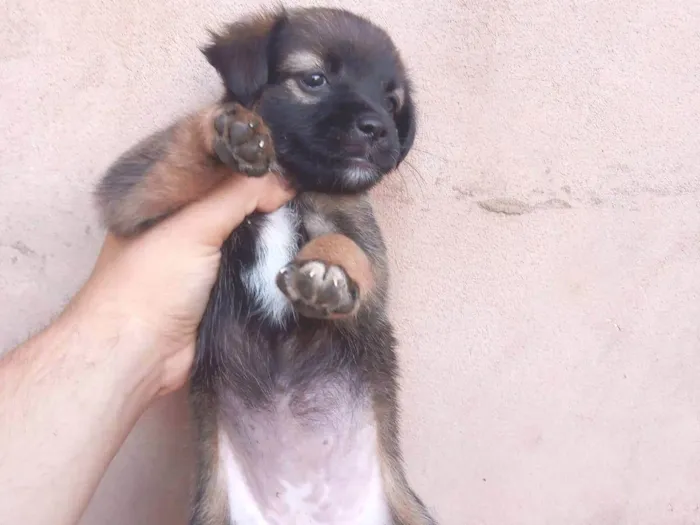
x=318, y=289
x=242, y=141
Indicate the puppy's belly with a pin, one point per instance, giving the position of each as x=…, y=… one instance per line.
x=306, y=461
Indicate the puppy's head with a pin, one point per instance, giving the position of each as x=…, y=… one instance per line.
x=332, y=88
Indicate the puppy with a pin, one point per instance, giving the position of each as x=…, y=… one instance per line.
x=295, y=380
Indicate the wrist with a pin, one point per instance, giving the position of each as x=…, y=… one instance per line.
x=115, y=350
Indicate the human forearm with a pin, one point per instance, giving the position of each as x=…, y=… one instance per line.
x=70, y=395
x=68, y=398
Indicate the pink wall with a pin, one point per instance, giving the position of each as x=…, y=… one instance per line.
x=552, y=358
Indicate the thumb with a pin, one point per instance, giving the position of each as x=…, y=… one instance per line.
x=211, y=219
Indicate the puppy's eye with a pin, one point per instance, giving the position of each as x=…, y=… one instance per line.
x=313, y=80
x=391, y=104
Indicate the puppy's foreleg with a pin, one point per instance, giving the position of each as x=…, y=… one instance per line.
x=180, y=164
x=329, y=278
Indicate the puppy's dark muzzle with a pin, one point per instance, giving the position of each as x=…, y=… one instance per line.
x=371, y=127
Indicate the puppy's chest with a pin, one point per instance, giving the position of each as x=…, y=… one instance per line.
x=277, y=238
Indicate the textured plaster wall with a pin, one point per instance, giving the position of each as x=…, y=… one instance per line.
x=551, y=356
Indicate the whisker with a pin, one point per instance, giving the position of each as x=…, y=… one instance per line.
x=417, y=176
x=426, y=152
x=415, y=171
x=402, y=178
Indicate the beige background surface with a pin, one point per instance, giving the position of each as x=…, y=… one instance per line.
x=552, y=358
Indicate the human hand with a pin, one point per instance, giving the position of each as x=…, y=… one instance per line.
x=150, y=292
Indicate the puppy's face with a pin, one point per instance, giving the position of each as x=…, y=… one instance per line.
x=332, y=88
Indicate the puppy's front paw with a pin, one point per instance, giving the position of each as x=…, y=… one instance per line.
x=319, y=290
x=242, y=140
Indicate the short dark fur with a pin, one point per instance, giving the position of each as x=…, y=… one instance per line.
x=347, y=336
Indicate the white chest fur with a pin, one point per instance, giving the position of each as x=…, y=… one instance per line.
x=275, y=248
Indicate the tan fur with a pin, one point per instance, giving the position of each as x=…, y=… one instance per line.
x=406, y=509
x=214, y=504
x=342, y=251
x=359, y=208
x=213, y=507
x=171, y=169
x=368, y=268
x=186, y=172
x=255, y=26
x=400, y=95
x=303, y=62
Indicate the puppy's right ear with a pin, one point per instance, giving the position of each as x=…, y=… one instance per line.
x=241, y=55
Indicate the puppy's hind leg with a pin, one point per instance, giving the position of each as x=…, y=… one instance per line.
x=210, y=502
x=406, y=507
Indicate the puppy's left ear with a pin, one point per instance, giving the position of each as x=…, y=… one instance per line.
x=406, y=125
x=241, y=55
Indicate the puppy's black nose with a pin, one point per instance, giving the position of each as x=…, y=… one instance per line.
x=371, y=126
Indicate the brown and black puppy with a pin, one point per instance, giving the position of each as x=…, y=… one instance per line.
x=294, y=386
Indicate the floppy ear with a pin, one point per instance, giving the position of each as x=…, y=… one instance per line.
x=406, y=124
x=240, y=54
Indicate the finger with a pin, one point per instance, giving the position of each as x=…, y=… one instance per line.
x=212, y=219
x=278, y=193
